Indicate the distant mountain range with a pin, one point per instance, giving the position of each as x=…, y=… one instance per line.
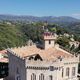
x=50, y=19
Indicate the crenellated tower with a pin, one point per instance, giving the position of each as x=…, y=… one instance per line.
x=49, y=39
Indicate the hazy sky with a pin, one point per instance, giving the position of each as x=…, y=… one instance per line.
x=41, y=7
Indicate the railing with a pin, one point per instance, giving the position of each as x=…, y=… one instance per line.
x=67, y=50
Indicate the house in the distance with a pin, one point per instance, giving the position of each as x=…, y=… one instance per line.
x=47, y=62
x=74, y=43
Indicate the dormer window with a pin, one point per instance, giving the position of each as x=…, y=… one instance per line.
x=35, y=57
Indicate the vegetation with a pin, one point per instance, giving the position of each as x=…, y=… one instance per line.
x=63, y=41
x=10, y=36
x=17, y=34
x=14, y=35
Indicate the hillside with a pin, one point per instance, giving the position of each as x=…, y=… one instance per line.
x=70, y=23
x=14, y=35
x=10, y=36
x=49, y=19
x=17, y=33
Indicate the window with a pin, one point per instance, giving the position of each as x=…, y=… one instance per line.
x=41, y=77
x=33, y=76
x=62, y=72
x=50, y=77
x=49, y=41
x=3, y=72
x=18, y=78
x=17, y=71
x=73, y=71
x=51, y=68
x=67, y=72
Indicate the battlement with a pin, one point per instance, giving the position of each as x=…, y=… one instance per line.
x=49, y=39
x=49, y=36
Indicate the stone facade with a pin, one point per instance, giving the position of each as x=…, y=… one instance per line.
x=55, y=72
x=23, y=69
x=16, y=68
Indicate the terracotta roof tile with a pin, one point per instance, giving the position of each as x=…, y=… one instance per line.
x=4, y=60
x=48, y=54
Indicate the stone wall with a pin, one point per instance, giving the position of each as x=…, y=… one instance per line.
x=43, y=67
x=16, y=67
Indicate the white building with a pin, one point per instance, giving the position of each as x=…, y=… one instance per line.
x=48, y=62
x=75, y=43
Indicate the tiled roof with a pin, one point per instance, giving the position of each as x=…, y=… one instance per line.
x=48, y=54
x=4, y=60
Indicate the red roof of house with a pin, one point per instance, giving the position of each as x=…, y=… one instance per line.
x=5, y=60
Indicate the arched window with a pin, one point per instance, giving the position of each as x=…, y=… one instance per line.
x=62, y=72
x=50, y=77
x=41, y=77
x=33, y=76
x=73, y=71
x=18, y=77
x=67, y=71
